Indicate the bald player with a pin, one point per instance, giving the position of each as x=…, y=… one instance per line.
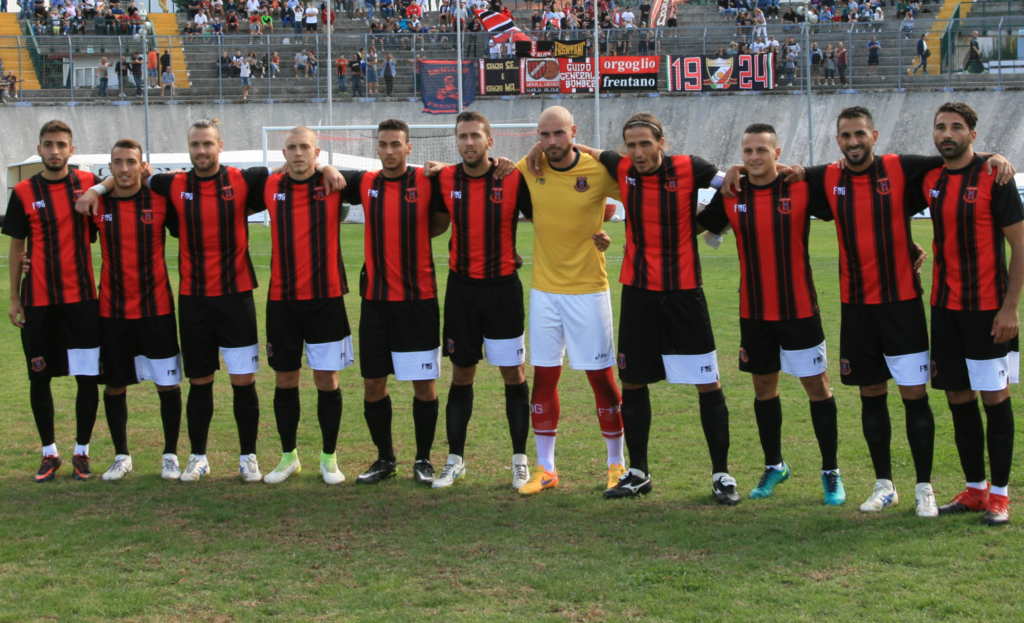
x=570, y=301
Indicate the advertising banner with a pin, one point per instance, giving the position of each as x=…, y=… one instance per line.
x=576, y=76
x=539, y=75
x=743, y=72
x=629, y=73
x=552, y=49
x=441, y=88
x=499, y=76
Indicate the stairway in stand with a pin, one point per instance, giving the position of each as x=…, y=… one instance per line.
x=165, y=27
x=13, y=58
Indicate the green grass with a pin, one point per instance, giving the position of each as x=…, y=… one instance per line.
x=146, y=550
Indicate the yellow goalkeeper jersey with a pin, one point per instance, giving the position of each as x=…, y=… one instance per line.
x=568, y=209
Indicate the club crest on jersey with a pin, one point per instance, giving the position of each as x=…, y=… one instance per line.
x=883, y=186
x=319, y=193
x=581, y=185
x=743, y=355
x=671, y=184
x=971, y=194
x=78, y=194
x=622, y=361
x=497, y=195
x=147, y=217
x=450, y=345
x=844, y=366
x=412, y=195
x=38, y=364
x=227, y=193
x=785, y=206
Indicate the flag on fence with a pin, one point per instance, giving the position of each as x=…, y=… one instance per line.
x=440, y=87
x=501, y=26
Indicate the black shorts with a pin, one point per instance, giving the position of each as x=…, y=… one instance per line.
x=872, y=61
x=796, y=347
x=666, y=335
x=310, y=27
x=400, y=338
x=227, y=323
x=489, y=312
x=963, y=355
x=884, y=341
x=140, y=349
x=321, y=325
x=62, y=339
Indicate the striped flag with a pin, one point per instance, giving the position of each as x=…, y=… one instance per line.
x=501, y=26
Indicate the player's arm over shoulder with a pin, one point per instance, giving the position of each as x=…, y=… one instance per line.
x=713, y=218
x=1007, y=208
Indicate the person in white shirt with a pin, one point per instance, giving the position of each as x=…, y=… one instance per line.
x=627, y=18
x=757, y=46
x=494, y=48
x=252, y=6
x=311, y=15
x=201, y=18
x=244, y=72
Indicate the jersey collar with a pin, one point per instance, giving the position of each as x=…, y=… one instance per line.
x=571, y=166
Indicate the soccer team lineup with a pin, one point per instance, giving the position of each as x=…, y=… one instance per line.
x=130, y=329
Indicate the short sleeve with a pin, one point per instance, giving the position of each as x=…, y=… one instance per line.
x=610, y=159
x=15, y=221
x=713, y=217
x=353, y=181
x=171, y=220
x=256, y=179
x=1006, y=205
x=916, y=167
x=703, y=172
x=436, y=201
x=161, y=184
x=611, y=185
x=523, y=200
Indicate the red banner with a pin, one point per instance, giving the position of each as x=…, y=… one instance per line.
x=629, y=73
x=576, y=76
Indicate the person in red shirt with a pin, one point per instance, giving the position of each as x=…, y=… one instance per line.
x=152, y=69
x=55, y=305
x=974, y=307
x=400, y=317
x=138, y=333
x=780, y=324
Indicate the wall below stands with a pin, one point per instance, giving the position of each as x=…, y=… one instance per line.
x=708, y=126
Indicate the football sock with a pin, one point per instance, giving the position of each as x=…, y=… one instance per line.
x=517, y=411
x=969, y=434
x=1000, y=441
x=824, y=417
x=874, y=420
x=328, y=412
x=1005, y=491
x=170, y=417
x=199, y=414
x=87, y=403
x=544, y=413
x=768, y=414
x=116, y=407
x=456, y=417
x=81, y=450
x=978, y=485
x=636, y=422
x=247, y=416
x=714, y=419
x=609, y=415
x=287, y=413
x=50, y=450
x=41, y=399
x=378, y=420
x=921, y=436
x=424, y=419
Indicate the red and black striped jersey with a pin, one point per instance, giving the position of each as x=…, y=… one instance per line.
x=872, y=210
x=133, y=278
x=399, y=263
x=214, y=233
x=57, y=239
x=484, y=213
x=304, y=220
x=969, y=211
x=661, y=251
x=772, y=224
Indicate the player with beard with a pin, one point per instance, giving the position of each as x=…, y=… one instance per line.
x=974, y=307
x=55, y=305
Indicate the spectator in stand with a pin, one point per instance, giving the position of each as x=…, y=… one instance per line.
x=244, y=74
x=103, y=74
x=152, y=65
x=252, y=7
x=355, y=70
x=137, y=64
x=790, y=65
x=236, y=62
x=874, y=48
x=908, y=26
x=390, y=70
x=341, y=69
x=255, y=29
x=829, y=63
x=266, y=23
x=275, y=9
x=673, y=13
x=789, y=19
x=302, y=64
x=369, y=5
x=275, y=64
x=815, y=67
x=372, y=87
x=327, y=16
x=257, y=65
x=217, y=9
x=922, y=55
x=167, y=82
x=311, y=18
x=193, y=9
x=842, y=61
x=494, y=48
x=314, y=63
x=287, y=16
x=201, y=18
x=232, y=22
x=876, y=19
x=224, y=66
x=760, y=24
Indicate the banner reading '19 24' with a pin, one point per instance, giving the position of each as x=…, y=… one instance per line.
x=743, y=72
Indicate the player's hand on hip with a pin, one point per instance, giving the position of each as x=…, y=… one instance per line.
x=534, y=159
x=17, y=314
x=1001, y=166
x=733, y=182
x=502, y=167
x=88, y=203
x=333, y=179
x=921, y=257
x=602, y=241
x=1004, y=327
x=793, y=173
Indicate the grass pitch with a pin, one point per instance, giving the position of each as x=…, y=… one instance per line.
x=146, y=550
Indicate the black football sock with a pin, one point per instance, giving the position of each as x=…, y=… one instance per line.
x=517, y=412
x=247, y=416
x=714, y=419
x=41, y=399
x=116, y=406
x=636, y=425
x=1000, y=441
x=921, y=436
x=424, y=419
x=170, y=416
x=969, y=433
x=287, y=411
x=87, y=403
x=199, y=414
x=378, y=420
x=824, y=417
x=457, y=413
x=328, y=413
x=768, y=414
x=874, y=420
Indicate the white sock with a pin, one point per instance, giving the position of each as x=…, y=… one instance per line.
x=1001, y=490
x=242, y=458
x=826, y=472
x=615, y=450
x=455, y=459
x=50, y=450
x=778, y=467
x=546, y=451
x=80, y=449
x=977, y=485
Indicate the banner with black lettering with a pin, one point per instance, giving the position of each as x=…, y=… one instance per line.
x=440, y=86
x=499, y=76
x=742, y=72
x=552, y=49
x=629, y=73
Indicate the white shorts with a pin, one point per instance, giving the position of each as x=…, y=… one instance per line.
x=242, y=360
x=803, y=363
x=691, y=369
x=83, y=361
x=581, y=323
x=163, y=372
x=991, y=375
x=330, y=356
x=910, y=370
x=507, y=353
x=418, y=366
